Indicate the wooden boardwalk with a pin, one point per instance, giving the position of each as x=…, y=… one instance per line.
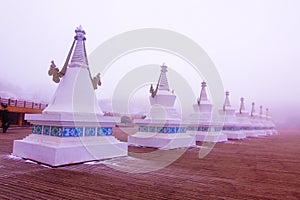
x=256, y=168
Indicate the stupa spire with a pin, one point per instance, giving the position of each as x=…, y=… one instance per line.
x=252, y=109
x=260, y=111
x=242, y=106
x=227, y=102
x=79, y=59
x=162, y=83
x=203, y=95
x=267, y=112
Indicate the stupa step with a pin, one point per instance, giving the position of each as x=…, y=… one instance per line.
x=55, y=151
x=206, y=136
x=161, y=140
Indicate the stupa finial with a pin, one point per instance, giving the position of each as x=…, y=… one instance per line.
x=242, y=106
x=267, y=112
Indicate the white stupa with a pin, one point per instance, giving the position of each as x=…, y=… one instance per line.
x=231, y=127
x=270, y=125
x=200, y=122
x=72, y=128
x=162, y=128
x=256, y=121
x=244, y=122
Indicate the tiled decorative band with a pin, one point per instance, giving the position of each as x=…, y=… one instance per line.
x=166, y=130
x=60, y=131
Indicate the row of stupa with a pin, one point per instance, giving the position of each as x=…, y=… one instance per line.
x=73, y=129
x=163, y=128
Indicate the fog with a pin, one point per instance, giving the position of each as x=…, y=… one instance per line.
x=254, y=45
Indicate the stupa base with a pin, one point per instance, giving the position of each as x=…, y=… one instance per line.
x=236, y=135
x=261, y=133
x=162, y=140
x=250, y=133
x=201, y=136
x=58, y=151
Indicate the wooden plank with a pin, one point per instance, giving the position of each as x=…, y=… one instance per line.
x=256, y=168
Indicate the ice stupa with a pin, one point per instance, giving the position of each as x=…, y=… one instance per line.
x=162, y=128
x=200, y=123
x=72, y=128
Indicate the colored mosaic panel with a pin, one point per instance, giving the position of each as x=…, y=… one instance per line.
x=90, y=131
x=161, y=130
x=46, y=130
x=104, y=131
x=236, y=128
x=217, y=129
x=72, y=132
x=37, y=129
x=56, y=131
x=231, y=128
x=171, y=130
x=143, y=129
x=182, y=130
x=205, y=129
x=168, y=130
x=152, y=129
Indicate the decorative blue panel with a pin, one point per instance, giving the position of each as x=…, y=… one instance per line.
x=90, y=131
x=56, y=131
x=171, y=130
x=182, y=130
x=37, y=129
x=143, y=129
x=152, y=129
x=72, y=132
x=203, y=128
x=104, y=131
x=217, y=129
x=46, y=130
x=236, y=128
x=162, y=129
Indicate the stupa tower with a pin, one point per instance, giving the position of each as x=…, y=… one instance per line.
x=75, y=92
x=72, y=128
x=271, y=125
x=162, y=100
x=244, y=121
x=162, y=128
x=200, y=122
x=257, y=124
x=231, y=127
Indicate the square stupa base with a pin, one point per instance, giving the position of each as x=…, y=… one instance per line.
x=251, y=133
x=57, y=151
x=261, y=133
x=162, y=140
x=236, y=135
x=202, y=136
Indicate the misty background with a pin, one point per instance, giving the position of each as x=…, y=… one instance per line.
x=254, y=44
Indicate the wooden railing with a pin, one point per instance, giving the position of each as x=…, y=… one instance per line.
x=23, y=104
